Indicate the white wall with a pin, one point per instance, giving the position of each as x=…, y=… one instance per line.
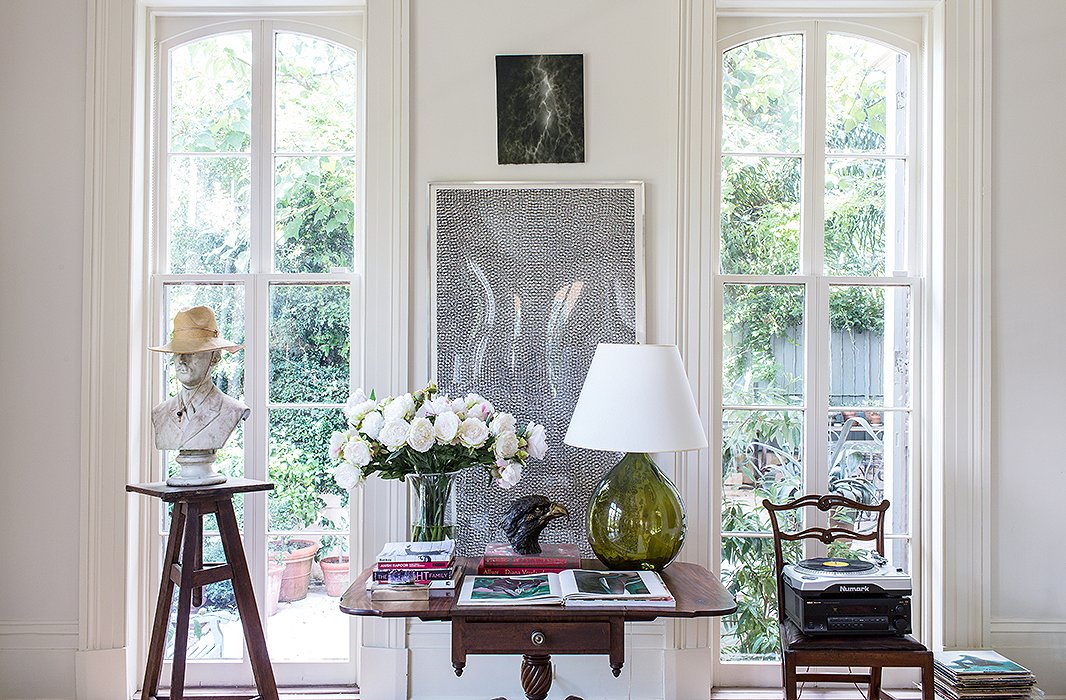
x=1029, y=336
x=42, y=122
x=630, y=52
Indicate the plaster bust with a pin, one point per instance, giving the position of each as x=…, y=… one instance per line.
x=198, y=421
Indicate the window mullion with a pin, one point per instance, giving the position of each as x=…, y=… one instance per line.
x=262, y=149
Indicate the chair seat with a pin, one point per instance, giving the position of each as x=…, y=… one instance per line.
x=794, y=640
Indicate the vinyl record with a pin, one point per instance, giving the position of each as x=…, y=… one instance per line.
x=834, y=565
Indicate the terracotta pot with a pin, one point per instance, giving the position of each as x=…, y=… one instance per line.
x=335, y=574
x=275, y=570
x=297, y=575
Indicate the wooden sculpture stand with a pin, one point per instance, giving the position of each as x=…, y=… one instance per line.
x=191, y=504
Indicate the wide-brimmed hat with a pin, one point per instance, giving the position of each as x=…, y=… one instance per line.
x=195, y=330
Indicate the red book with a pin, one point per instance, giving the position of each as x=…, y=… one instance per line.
x=499, y=555
x=508, y=571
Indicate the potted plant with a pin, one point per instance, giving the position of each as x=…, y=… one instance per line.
x=275, y=572
x=297, y=554
x=335, y=565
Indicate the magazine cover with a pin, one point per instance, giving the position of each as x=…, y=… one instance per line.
x=534, y=589
x=977, y=661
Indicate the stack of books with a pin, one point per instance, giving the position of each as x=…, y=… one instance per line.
x=572, y=588
x=414, y=571
x=980, y=675
x=500, y=559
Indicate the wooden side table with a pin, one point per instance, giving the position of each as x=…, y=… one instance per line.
x=539, y=631
x=191, y=504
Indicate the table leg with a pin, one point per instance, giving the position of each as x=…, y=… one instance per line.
x=536, y=675
x=254, y=637
x=197, y=526
x=181, y=629
x=162, y=605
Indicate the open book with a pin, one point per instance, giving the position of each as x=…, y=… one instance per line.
x=573, y=587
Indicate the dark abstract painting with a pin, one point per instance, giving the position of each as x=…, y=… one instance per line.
x=540, y=109
x=527, y=279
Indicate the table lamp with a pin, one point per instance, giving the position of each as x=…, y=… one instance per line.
x=636, y=399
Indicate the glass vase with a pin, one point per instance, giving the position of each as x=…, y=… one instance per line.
x=636, y=519
x=434, y=506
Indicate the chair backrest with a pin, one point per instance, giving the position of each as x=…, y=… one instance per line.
x=827, y=535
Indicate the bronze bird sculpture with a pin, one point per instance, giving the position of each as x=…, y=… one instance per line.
x=526, y=517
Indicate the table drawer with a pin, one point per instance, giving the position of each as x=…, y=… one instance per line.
x=508, y=637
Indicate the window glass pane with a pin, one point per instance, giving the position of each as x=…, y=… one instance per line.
x=301, y=602
x=869, y=346
x=215, y=630
x=227, y=302
x=750, y=634
x=207, y=214
x=869, y=460
x=866, y=89
x=309, y=343
x=302, y=471
x=762, y=357
x=315, y=100
x=865, y=216
x=760, y=215
x=211, y=94
x=314, y=214
x=762, y=96
x=762, y=457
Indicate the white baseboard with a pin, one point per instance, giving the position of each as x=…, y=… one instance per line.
x=383, y=673
x=1039, y=645
x=37, y=659
x=103, y=674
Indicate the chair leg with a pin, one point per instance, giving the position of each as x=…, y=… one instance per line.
x=927, y=677
x=791, y=690
x=875, y=683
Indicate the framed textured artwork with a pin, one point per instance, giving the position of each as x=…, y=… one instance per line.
x=540, y=109
x=527, y=278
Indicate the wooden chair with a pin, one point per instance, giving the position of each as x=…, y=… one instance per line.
x=874, y=651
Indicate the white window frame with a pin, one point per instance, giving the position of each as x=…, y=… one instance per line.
x=905, y=35
x=343, y=28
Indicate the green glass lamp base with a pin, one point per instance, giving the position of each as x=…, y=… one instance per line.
x=636, y=519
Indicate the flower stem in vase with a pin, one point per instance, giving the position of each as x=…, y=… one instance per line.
x=434, y=514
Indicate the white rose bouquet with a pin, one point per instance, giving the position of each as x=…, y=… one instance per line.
x=430, y=433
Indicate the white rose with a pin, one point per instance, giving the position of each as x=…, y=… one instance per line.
x=348, y=476
x=371, y=425
x=400, y=407
x=502, y=423
x=479, y=407
x=394, y=433
x=336, y=444
x=510, y=473
x=473, y=432
x=357, y=407
x=458, y=407
x=420, y=437
x=437, y=406
x=357, y=451
x=536, y=441
x=506, y=445
x=446, y=427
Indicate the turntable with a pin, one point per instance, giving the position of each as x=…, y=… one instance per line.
x=829, y=595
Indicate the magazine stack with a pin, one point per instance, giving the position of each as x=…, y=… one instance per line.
x=414, y=571
x=500, y=559
x=980, y=675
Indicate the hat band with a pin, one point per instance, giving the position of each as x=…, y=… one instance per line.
x=197, y=332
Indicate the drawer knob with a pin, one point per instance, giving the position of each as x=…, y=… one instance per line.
x=537, y=637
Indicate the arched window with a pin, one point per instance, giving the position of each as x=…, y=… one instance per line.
x=818, y=289
x=257, y=213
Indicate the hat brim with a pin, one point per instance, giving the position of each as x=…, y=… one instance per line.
x=185, y=347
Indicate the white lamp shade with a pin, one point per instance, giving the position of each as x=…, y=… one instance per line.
x=636, y=398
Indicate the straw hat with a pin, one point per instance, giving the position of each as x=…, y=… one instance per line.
x=195, y=330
